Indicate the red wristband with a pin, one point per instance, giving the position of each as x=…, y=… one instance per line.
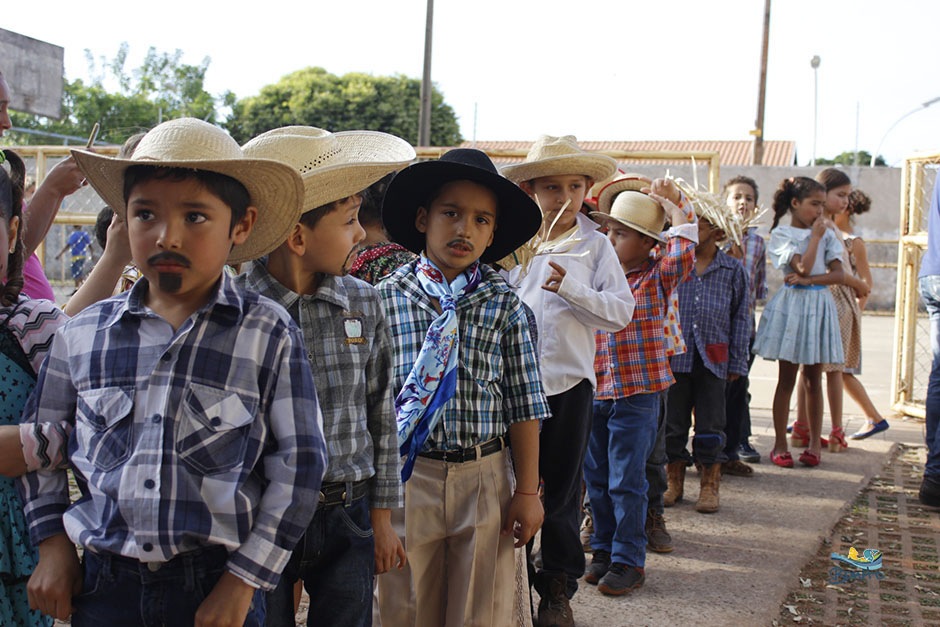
x=527, y=493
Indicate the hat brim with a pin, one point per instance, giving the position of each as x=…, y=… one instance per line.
x=369, y=155
x=604, y=217
x=275, y=190
x=518, y=221
x=595, y=166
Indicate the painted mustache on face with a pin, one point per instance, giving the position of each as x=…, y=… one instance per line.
x=169, y=281
x=460, y=242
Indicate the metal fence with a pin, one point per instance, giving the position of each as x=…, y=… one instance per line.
x=912, y=353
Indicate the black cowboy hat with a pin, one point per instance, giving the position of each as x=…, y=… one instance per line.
x=519, y=217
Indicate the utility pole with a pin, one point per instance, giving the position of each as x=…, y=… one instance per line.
x=424, y=119
x=814, y=63
x=757, y=156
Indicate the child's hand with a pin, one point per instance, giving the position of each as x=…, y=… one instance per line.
x=524, y=518
x=227, y=605
x=676, y=216
x=118, y=245
x=862, y=289
x=553, y=282
x=65, y=178
x=665, y=188
x=56, y=579
x=795, y=279
x=387, y=543
x=733, y=377
x=819, y=227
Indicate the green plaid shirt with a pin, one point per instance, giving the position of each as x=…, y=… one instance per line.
x=498, y=379
x=348, y=347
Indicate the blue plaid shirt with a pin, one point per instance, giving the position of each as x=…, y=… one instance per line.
x=498, y=379
x=207, y=435
x=713, y=308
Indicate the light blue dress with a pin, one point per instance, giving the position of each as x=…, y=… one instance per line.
x=800, y=324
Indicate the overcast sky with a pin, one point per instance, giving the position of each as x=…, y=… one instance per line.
x=598, y=69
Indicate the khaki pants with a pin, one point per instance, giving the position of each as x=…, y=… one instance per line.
x=463, y=569
x=393, y=603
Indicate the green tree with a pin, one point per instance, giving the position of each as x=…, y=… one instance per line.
x=163, y=87
x=848, y=158
x=315, y=97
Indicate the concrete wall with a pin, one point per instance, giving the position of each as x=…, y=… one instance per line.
x=881, y=223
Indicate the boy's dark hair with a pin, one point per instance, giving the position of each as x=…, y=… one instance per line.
x=223, y=187
x=370, y=212
x=794, y=188
x=859, y=202
x=310, y=218
x=102, y=222
x=833, y=178
x=11, y=206
x=742, y=180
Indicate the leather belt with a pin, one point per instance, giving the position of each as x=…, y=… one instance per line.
x=335, y=493
x=462, y=455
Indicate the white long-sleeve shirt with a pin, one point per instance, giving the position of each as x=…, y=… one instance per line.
x=593, y=295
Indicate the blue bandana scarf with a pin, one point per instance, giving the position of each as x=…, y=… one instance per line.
x=433, y=379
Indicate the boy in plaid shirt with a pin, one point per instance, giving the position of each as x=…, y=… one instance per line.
x=632, y=368
x=197, y=436
x=713, y=308
x=469, y=377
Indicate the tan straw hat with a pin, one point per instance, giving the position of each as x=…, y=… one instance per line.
x=559, y=156
x=622, y=201
x=332, y=165
x=275, y=188
x=712, y=208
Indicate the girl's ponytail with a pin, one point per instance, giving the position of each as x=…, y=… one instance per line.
x=11, y=204
x=793, y=188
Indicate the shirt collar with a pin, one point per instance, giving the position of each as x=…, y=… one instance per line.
x=721, y=260
x=331, y=289
x=225, y=296
x=490, y=283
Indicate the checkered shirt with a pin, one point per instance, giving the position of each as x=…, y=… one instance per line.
x=633, y=360
x=348, y=345
x=755, y=264
x=498, y=379
x=207, y=435
x=713, y=310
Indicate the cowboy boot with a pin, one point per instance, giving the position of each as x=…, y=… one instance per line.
x=708, y=494
x=675, y=478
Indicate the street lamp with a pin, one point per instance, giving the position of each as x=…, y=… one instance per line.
x=814, y=63
x=898, y=121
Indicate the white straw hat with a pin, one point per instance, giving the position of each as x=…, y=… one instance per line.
x=622, y=201
x=332, y=165
x=559, y=156
x=275, y=188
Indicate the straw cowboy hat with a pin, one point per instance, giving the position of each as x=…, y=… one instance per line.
x=621, y=200
x=712, y=208
x=519, y=217
x=558, y=156
x=332, y=165
x=275, y=188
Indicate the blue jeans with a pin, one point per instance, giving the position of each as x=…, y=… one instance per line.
x=930, y=294
x=623, y=433
x=335, y=558
x=121, y=591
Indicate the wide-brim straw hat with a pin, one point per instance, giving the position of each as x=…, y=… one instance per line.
x=332, y=165
x=622, y=200
x=275, y=188
x=519, y=217
x=560, y=156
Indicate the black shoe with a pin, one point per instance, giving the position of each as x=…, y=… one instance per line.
x=657, y=538
x=930, y=491
x=746, y=453
x=600, y=564
x=554, y=608
x=621, y=579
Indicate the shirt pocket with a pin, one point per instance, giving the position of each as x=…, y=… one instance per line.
x=481, y=354
x=213, y=428
x=104, y=425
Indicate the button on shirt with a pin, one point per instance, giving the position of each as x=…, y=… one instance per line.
x=207, y=435
x=593, y=296
x=349, y=349
x=713, y=307
x=498, y=382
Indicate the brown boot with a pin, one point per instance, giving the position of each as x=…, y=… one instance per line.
x=675, y=477
x=708, y=494
x=554, y=608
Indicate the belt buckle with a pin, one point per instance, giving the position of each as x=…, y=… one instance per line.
x=322, y=497
x=154, y=566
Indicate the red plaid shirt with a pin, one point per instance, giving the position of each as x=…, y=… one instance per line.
x=633, y=360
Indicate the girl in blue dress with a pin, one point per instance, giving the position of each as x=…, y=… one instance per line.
x=26, y=330
x=800, y=326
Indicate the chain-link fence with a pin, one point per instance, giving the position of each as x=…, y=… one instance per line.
x=912, y=353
